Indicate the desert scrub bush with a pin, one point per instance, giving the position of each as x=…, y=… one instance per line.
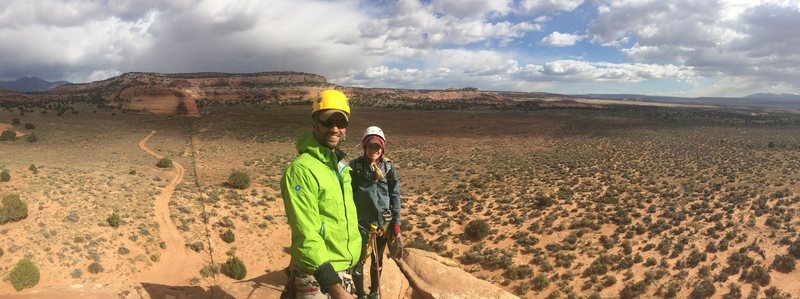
x=783, y=263
x=209, y=270
x=518, y=272
x=164, y=163
x=704, y=289
x=33, y=169
x=8, y=135
x=239, y=179
x=234, y=268
x=734, y=292
x=114, y=220
x=25, y=274
x=196, y=246
x=95, y=268
x=794, y=248
x=13, y=209
x=476, y=230
x=757, y=274
x=775, y=293
x=32, y=138
x=540, y=282
x=228, y=236
x=633, y=290
x=30, y=126
x=5, y=176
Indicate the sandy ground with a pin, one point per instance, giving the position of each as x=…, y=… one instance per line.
x=84, y=167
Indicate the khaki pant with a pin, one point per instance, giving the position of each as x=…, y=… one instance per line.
x=307, y=287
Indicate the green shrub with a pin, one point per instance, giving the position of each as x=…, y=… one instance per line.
x=95, y=268
x=8, y=135
x=756, y=274
x=784, y=263
x=633, y=290
x=33, y=169
x=476, y=229
x=25, y=274
x=30, y=126
x=196, y=246
x=32, y=138
x=164, y=163
x=15, y=121
x=794, y=248
x=239, y=179
x=518, y=272
x=704, y=289
x=114, y=220
x=234, y=268
x=540, y=282
x=13, y=209
x=228, y=236
x=209, y=270
x=734, y=292
x=5, y=176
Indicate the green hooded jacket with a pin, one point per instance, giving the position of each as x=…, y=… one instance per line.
x=318, y=197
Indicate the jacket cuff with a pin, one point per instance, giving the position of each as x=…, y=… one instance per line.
x=326, y=277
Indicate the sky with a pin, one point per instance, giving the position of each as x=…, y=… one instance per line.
x=671, y=48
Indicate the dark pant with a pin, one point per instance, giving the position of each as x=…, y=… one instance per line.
x=358, y=275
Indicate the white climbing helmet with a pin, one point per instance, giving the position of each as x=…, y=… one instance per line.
x=373, y=130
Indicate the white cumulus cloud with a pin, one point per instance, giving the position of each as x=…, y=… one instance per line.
x=558, y=39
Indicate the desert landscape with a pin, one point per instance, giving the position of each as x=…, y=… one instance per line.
x=559, y=202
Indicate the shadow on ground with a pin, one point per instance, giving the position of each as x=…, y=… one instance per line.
x=158, y=291
x=271, y=283
x=268, y=285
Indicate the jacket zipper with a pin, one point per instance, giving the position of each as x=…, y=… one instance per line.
x=344, y=202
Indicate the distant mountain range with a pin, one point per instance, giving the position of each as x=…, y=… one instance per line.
x=30, y=84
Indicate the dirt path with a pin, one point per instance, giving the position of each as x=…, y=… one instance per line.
x=177, y=263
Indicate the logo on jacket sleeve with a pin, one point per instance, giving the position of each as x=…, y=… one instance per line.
x=297, y=188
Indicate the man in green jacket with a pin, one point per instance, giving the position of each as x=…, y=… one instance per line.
x=318, y=197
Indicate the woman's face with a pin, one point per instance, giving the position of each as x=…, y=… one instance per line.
x=374, y=151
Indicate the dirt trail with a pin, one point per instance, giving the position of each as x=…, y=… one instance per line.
x=177, y=263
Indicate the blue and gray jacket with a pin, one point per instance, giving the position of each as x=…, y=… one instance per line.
x=374, y=197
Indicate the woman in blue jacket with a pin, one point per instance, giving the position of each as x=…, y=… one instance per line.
x=377, y=197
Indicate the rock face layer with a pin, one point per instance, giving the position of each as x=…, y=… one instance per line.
x=178, y=93
x=7, y=95
x=433, y=276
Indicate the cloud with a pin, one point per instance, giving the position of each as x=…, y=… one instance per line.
x=442, y=68
x=206, y=36
x=413, y=25
x=491, y=44
x=548, y=6
x=558, y=39
x=491, y=70
x=584, y=71
x=743, y=41
x=472, y=9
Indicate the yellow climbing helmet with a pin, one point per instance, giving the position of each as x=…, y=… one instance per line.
x=331, y=99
